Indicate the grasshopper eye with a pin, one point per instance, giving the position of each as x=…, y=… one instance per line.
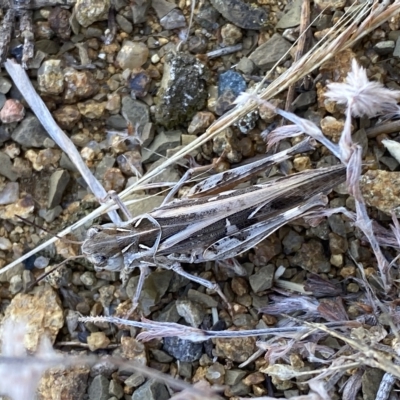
x=99, y=260
x=94, y=230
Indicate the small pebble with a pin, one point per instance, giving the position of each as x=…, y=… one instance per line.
x=97, y=340
x=132, y=55
x=12, y=111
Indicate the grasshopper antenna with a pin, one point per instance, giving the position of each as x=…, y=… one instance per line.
x=48, y=231
x=47, y=273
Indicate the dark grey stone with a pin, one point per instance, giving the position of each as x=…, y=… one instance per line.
x=6, y=167
x=385, y=47
x=162, y=7
x=98, y=389
x=136, y=111
x=304, y=100
x=58, y=182
x=159, y=146
x=30, y=132
x=262, y=280
x=270, y=52
x=173, y=20
x=292, y=242
x=151, y=390
x=183, y=350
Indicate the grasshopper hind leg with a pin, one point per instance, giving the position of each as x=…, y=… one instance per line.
x=176, y=267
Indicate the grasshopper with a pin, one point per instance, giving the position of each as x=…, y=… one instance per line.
x=210, y=226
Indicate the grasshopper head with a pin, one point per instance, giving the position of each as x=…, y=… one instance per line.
x=102, y=250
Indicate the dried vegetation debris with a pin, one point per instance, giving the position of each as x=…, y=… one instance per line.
x=90, y=80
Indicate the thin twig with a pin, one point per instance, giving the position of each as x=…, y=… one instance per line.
x=301, y=45
x=390, y=127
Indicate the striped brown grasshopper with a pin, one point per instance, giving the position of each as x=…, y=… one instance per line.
x=210, y=226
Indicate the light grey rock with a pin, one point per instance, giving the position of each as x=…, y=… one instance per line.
x=173, y=20
x=5, y=244
x=10, y=192
x=115, y=389
x=263, y=279
x=5, y=85
x=162, y=142
x=396, y=52
x=136, y=111
x=245, y=65
x=105, y=164
x=191, y=311
x=201, y=298
x=98, y=389
x=132, y=55
x=16, y=284
x=234, y=376
x=58, y=182
x=151, y=390
x=139, y=10
x=30, y=132
x=162, y=7
x=50, y=215
x=385, y=47
x=135, y=380
x=67, y=164
x=270, y=52
x=124, y=24
x=155, y=286
x=291, y=17
x=88, y=278
x=41, y=262
x=6, y=168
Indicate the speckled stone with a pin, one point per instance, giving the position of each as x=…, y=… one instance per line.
x=182, y=91
x=66, y=383
x=183, y=350
x=381, y=189
x=42, y=311
x=89, y=11
x=50, y=77
x=235, y=349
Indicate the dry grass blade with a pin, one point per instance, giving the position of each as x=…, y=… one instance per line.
x=354, y=25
